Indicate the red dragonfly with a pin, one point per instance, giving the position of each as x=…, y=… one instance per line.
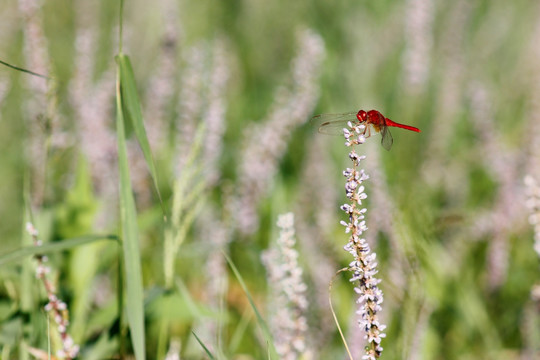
x=334, y=124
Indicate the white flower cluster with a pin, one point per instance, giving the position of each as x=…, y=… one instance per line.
x=267, y=141
x=289, y=324
x=364, y=266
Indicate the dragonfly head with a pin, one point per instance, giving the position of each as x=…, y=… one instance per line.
x=361, y=116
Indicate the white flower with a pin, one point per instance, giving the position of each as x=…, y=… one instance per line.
x=31, y=229
x=289, y=324
x=364, y=266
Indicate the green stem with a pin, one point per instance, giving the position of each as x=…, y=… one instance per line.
x=24, y=70
x=121, y=27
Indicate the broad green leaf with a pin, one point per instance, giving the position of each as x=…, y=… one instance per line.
x=171, y=307
x=104, y=348
x=75, y=215
x=130, y=234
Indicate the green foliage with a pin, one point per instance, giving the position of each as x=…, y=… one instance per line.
x=206, y=350
x=51, y=247
x=76, y=214
x=128, y=219
x=454, y=250
x=260, y=320
x=132, y=109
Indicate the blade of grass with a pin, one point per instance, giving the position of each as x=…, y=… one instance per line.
x=203, y=346
x=191, y=304
x=334, y=313
x=132, y=107
x=260, y=320
x=130, y=235
x=52, y=247
x=24, y=70
x=239, y=332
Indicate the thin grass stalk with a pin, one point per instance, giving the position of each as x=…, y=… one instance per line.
x=187, y=202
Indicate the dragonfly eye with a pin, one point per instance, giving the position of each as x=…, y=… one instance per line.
x=362, y=115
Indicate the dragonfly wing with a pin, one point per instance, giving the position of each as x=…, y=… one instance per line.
x=332, y=124
x=387, y=139
x=333, y=128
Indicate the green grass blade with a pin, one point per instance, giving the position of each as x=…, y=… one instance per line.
x=260, y=320
x=334, y=313
x=203, y=346
x=52, y=247
x=239, y=332
x=130, y=235
x=24, y=70
x=132, y=107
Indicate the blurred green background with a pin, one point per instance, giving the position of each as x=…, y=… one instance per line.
x=227, y=90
